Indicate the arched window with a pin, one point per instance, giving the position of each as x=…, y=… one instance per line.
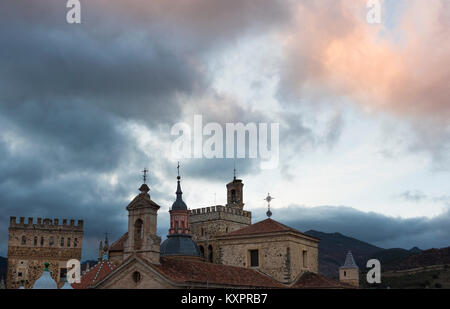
x=138, y=233
x=35, y=240
x=75, y=242
x=62, y=241
x=51, y=241
x=136, y=277
x=233, y=196
x=42, y=241
x=68, y=242
x=24, y=240
x=210, y=254
x=345, y=273
x=202, y=251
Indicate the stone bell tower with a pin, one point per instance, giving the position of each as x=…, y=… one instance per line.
x=235, y=196
x=142, y=238
x=349, y=272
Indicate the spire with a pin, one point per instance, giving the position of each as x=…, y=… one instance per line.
x=179, y=204
x=268, y=199
x=349, y=261
x=106, y=242
x=105, y=252
x=100, y=251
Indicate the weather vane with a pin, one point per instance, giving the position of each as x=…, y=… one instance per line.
x=145, y=171
x=178, y=168
x=268, y=199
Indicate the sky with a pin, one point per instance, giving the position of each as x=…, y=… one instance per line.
x=363, y=111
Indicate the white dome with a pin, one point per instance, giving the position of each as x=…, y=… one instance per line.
x=45, y=281
x=67, y=286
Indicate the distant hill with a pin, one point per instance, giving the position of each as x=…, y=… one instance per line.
x=333, y=248
x=92, y=263
x=415, y=250
x=391, y=255
x=420, y=259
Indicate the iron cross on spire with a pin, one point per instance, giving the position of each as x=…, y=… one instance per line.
x=178, y=169
x=268, y=199
x=145, y=171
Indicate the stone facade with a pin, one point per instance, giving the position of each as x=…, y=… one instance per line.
x=31, y=244
x=349, y=276
x=125, y=278
x=209, y=222
x=283, y=256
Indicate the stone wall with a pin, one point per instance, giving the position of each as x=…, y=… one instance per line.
x=32, y=244
x=123, y=279
x=349, y=276
x=215, y=220
x=280, y=256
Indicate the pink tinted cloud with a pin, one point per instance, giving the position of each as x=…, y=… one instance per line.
x=404, y=70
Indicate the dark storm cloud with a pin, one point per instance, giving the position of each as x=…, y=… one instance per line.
x=67, y=93
x=375, y=228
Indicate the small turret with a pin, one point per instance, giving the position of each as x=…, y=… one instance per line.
x=349, y=272
x=235, y=195
x=45, y=281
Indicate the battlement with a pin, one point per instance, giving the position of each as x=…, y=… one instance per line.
x=220, y=209
x=46, y=223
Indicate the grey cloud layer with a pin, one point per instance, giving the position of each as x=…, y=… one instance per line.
x=67, y=91
x=375, y=228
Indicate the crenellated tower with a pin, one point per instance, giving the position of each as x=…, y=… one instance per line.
x=31, y=244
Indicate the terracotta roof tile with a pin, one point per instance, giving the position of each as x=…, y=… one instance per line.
x=94, y=275
x=315, y=281
x=185, y=271
x=263, y=227
x=118, y=244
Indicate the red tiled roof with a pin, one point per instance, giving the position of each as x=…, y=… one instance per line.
x=94, y=275
x=263, y=227
x=315, y=281
x=118, y=244
x=185, y=271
